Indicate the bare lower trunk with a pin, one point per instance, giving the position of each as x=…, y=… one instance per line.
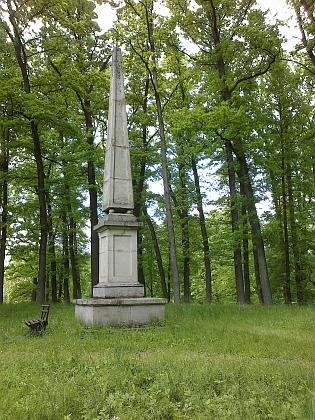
x=66, y=265
x=245, y=246
x=75, y=272
x=52, y=259
x=86, y=107
x=41, y=280
x=168, y=209
x=300, y=279
x=204, y=234
x=93, y=222
x=181, y=206
x=237, y=254
x=286, y=286
x=158, y=255
x=256, y=231
x=4, y=166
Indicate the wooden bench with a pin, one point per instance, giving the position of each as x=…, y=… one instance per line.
x=38, y=325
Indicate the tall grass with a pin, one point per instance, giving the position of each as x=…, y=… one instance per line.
x=204, y=362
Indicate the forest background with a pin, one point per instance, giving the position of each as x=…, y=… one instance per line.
x=220, y=113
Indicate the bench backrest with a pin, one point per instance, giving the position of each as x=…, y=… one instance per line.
x=45, y=313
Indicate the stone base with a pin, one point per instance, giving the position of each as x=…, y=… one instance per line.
x=126, y=311
x=112, y=290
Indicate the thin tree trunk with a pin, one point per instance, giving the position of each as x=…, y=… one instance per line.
x=157, y=254
x=182, y=211
x=141, y=278
x=204, y=234
x=167, y=199
x=257, y=276
x=299, y=276
x=86, y=107
x=235, y=226
x=256, y=231
x=34, y=289
x=73, y=259
x=66, y=265
x=168, y=209
x=286, y=286
x=184, y=222
x=42, y=216
x=4, y=168
x=140, y=185
x=245, y=245
x=283, y=227
x=52, y=258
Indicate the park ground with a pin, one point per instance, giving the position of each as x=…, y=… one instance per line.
x=203, y=362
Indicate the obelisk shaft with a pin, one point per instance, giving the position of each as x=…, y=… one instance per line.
x=117, y=185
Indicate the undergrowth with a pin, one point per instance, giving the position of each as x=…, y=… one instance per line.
x=203, y=362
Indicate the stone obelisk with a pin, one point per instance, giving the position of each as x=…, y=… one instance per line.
x=117, y=186
x=118, y=298
x=118, y=228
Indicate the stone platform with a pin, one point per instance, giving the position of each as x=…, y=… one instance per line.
x=124, y=311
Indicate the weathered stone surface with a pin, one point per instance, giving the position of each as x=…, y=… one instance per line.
x=112, y=220
x=102, y=312
x=111, y=290
x=118, y=257
x=117, y=186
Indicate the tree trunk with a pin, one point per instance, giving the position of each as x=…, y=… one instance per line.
x=42, y=216
x=299, y=275
x=286, y=286
x=52, y=258
x=257, y=277
x=245, y=245
x=168, y=209
x=204, y=234
x=73, y=259
x=66, y=264
x=182, y=211
x=86, y=105
x=140, y=186
x=235, y=226
x=4, y=167
x=255, y=228
x=165, y=292
x=283, y=234
x=184, y=222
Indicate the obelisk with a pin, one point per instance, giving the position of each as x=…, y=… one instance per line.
x=117, y=186
x=118, y=228
x=118, y=298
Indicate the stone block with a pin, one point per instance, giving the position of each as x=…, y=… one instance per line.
x=113, y=312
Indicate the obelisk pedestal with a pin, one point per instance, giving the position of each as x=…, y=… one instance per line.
x=118, y=298
x=118, y=257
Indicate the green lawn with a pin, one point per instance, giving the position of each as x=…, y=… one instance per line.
x=204, y=362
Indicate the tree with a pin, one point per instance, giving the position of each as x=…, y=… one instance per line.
x=20, y=15
x=79, y=55
x=229, y=57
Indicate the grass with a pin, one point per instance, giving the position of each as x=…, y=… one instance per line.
x=204, y=362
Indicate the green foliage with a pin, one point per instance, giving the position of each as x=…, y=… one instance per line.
x=259, y=103
x=203, y=362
